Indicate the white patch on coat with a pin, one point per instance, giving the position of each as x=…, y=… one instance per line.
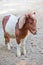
x=21, y=22
x=10, y=26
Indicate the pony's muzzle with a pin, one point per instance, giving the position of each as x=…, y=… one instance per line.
x=35, y=33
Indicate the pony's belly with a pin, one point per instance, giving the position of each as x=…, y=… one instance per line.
x=10, y=33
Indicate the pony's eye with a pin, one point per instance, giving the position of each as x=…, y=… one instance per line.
x=31, y=23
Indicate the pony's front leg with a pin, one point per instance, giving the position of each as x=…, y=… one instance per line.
x=23, y=44
x=23, y=49
x=9, y=46
x=18, y=50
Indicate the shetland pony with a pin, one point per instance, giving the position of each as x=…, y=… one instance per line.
x=18, y=27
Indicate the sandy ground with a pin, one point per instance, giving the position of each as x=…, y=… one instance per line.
x=34, y=44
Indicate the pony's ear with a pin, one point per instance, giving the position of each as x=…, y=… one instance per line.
x=21, y=22
x=27, y=15
x=33, y=14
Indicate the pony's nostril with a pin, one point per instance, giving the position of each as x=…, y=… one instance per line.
x=35, y=33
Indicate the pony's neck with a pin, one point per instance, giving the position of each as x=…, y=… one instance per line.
x=24, y=28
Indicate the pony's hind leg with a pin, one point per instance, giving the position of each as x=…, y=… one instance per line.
x=7, y=40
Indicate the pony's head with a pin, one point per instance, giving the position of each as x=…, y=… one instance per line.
x=30, y=22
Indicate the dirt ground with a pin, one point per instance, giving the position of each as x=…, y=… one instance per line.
x=34, y=45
